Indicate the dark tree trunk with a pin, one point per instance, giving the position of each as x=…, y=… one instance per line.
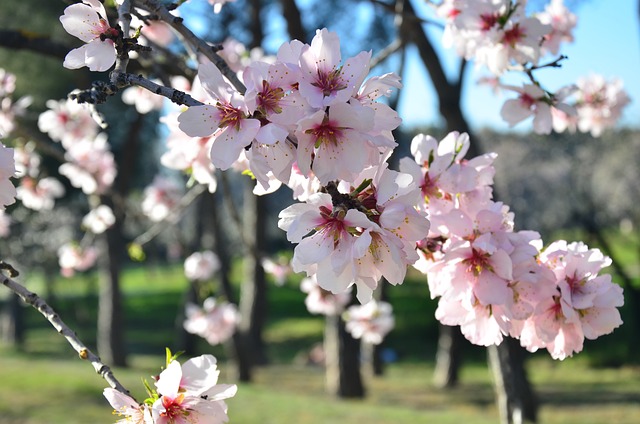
x=291, y=14
x=342, y=358
x=516, y=401
x=240, y=352
x=448, y=357
x=12, y=326
x=253, y=298
x=110, y=338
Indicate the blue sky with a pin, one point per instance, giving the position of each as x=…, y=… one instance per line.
x=607, y=41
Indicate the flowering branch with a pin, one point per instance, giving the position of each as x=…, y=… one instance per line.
x=100, y=90
x=47, y=311
x=210, y=52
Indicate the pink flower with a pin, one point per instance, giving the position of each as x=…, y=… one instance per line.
x=161, y=198
x=41, y=194
x=584, y=304
x=5, y=224
x=370, y=322
x=562, y=22
x=227, y=120
x=215, y=321
x=201, y=266
x=72, y=257
x=90, y=165
x=98, y=220
x=531, y=101
x=190, y=393
x=144, y=100
x=128, y=408
x=324, y=82
x=279, y=269
x=321, y=301
x=67, y=121
x=7, y=170
x=89, y=23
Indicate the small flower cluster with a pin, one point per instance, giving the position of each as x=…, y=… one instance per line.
x=161, y=198
x=493, y=281
x=187, y=393
x=370, y=322
x=306, y=110
x=90, y=166
x=321, y=301
x=357, y=235
x=215, y=321
x=7, y=170
x=497, y=33
x=10, y=109
x=200, y=266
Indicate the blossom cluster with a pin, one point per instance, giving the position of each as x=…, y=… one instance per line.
x=183, y=393
x=89, y=165
x=493, y=281
x=215, y=322
x=7, y=170
x=306, y=111
x=370, y=322
x=499, y=34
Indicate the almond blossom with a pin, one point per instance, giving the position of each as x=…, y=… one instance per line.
x=357, y=235
x=562, y=23
x=200, y=266
x=161, y=197
x=370, y=322
x=72, y=257
x=125, y=406
x=68, y=122
x=584, y=304
x=7, y=170
x=215, y=322
x=39, y=194
x=88, y=22
x=227, y=120
x=189, y=393
x=98, y=220
x=5, y=224
x=321, y=301
x=90, y=165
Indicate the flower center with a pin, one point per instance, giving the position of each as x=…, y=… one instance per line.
x=230, y=116
x=329, y=82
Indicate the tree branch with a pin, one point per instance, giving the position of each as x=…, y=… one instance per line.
x=210, y=52
x=47, y=311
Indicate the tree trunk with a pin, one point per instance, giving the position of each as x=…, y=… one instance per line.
x=342, y=353
x=253, y=298
x=110, y=338
x=186, y=342
x=448, y=357
x=12, y=326
x=515, y=398
x=238, y=348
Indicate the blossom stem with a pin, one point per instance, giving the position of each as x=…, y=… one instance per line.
x=47, y=311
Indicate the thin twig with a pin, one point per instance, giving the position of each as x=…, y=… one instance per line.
x=384, y=54
x=210, y=52
x=47, y=311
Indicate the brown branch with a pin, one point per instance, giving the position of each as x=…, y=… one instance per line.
x=210, y=52
x=47, y=311
x=38, y=43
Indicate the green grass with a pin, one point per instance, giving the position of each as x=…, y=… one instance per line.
x=47, y=383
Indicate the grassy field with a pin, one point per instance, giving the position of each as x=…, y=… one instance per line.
x=46, y=383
